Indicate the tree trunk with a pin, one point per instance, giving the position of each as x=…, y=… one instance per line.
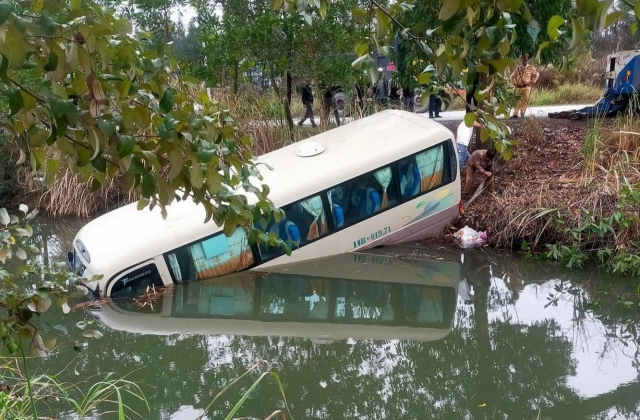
x=287, y=100
x=236, y=76
x=287, y=104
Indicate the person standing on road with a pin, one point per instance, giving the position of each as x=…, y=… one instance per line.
x=330, y=104
x=435, y=104
x=523, y=78
x=480, y=162
x=408, y=97
x=307, y=101
x=463, y=138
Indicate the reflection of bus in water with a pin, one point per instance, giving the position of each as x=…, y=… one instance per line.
x=346, y=296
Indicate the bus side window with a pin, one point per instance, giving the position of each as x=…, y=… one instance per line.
x=361, y=197
x=212, y=257
x=451, y=170
x=137, y=281
x=422, y=172
x=431, y=166
x=304, y=221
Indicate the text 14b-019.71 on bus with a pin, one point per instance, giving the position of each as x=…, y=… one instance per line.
x=385, y=179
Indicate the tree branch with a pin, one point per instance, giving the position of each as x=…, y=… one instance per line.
x=27, y=91
x=397, y=22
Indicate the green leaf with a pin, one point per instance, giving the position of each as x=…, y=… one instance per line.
x=424, y=79
x=15, y=47
x=51, y=170
x=107, y=127
x=613, y=17
x=125, y=145
x=166, y=103
x=361, y=48
x=552, y=27
x=5, y=11
x=21, y=254
x=230, y=227
x=587, y=6
x=441, y=64
x=358, y=62
x=420, y=28
x=176, y=162
x=60, y=107
x=360, y=16
x=52, y=61
x=448, y=9
x=577, y=30
x=323, y=10
x=382, y=23
x=469, y=118
x=214, y=180
x=196, y=178
x=15, y=101
x=148, y=184
x=526, y=14
x=4, y=65
x=494, y=35
x=4, y=217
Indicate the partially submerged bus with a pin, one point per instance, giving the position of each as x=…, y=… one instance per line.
x=363, y=295
x=385, y=179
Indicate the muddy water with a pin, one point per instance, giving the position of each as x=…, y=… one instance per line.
x=432, y=335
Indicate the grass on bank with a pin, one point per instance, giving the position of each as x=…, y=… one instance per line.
x=566, y=94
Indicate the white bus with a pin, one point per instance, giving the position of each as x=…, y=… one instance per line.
x=385, y=179
x=363, y=295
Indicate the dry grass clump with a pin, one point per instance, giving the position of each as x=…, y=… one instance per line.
x=261, y=117
x=67, y=196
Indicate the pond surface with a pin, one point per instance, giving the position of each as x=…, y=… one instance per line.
x=396, y=334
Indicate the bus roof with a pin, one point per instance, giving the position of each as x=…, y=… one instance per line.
x=350, y=150
x=126, y=236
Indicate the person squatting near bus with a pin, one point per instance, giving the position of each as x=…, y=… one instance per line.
x=307, y=101
x=523, y=78
x=480, y=162
x=463, y=138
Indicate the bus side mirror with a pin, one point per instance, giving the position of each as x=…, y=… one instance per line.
x=70, y=260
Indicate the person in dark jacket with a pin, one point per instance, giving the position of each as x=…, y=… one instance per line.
x=307, y=101
x=408, y=97
x=435, y=104
x=329, y=103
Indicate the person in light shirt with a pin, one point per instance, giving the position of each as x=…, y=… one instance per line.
x=463, y=138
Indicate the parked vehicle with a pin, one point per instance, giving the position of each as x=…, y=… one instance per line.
x=384, y=179
x=363, y=295
x=622, y=83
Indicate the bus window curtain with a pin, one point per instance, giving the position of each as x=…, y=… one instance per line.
x=430, y=164
x=175, y=267
x=319, y=225
x=220, y=255
x=383, y=176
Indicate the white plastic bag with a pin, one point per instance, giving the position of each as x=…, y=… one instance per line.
x=468, y=238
